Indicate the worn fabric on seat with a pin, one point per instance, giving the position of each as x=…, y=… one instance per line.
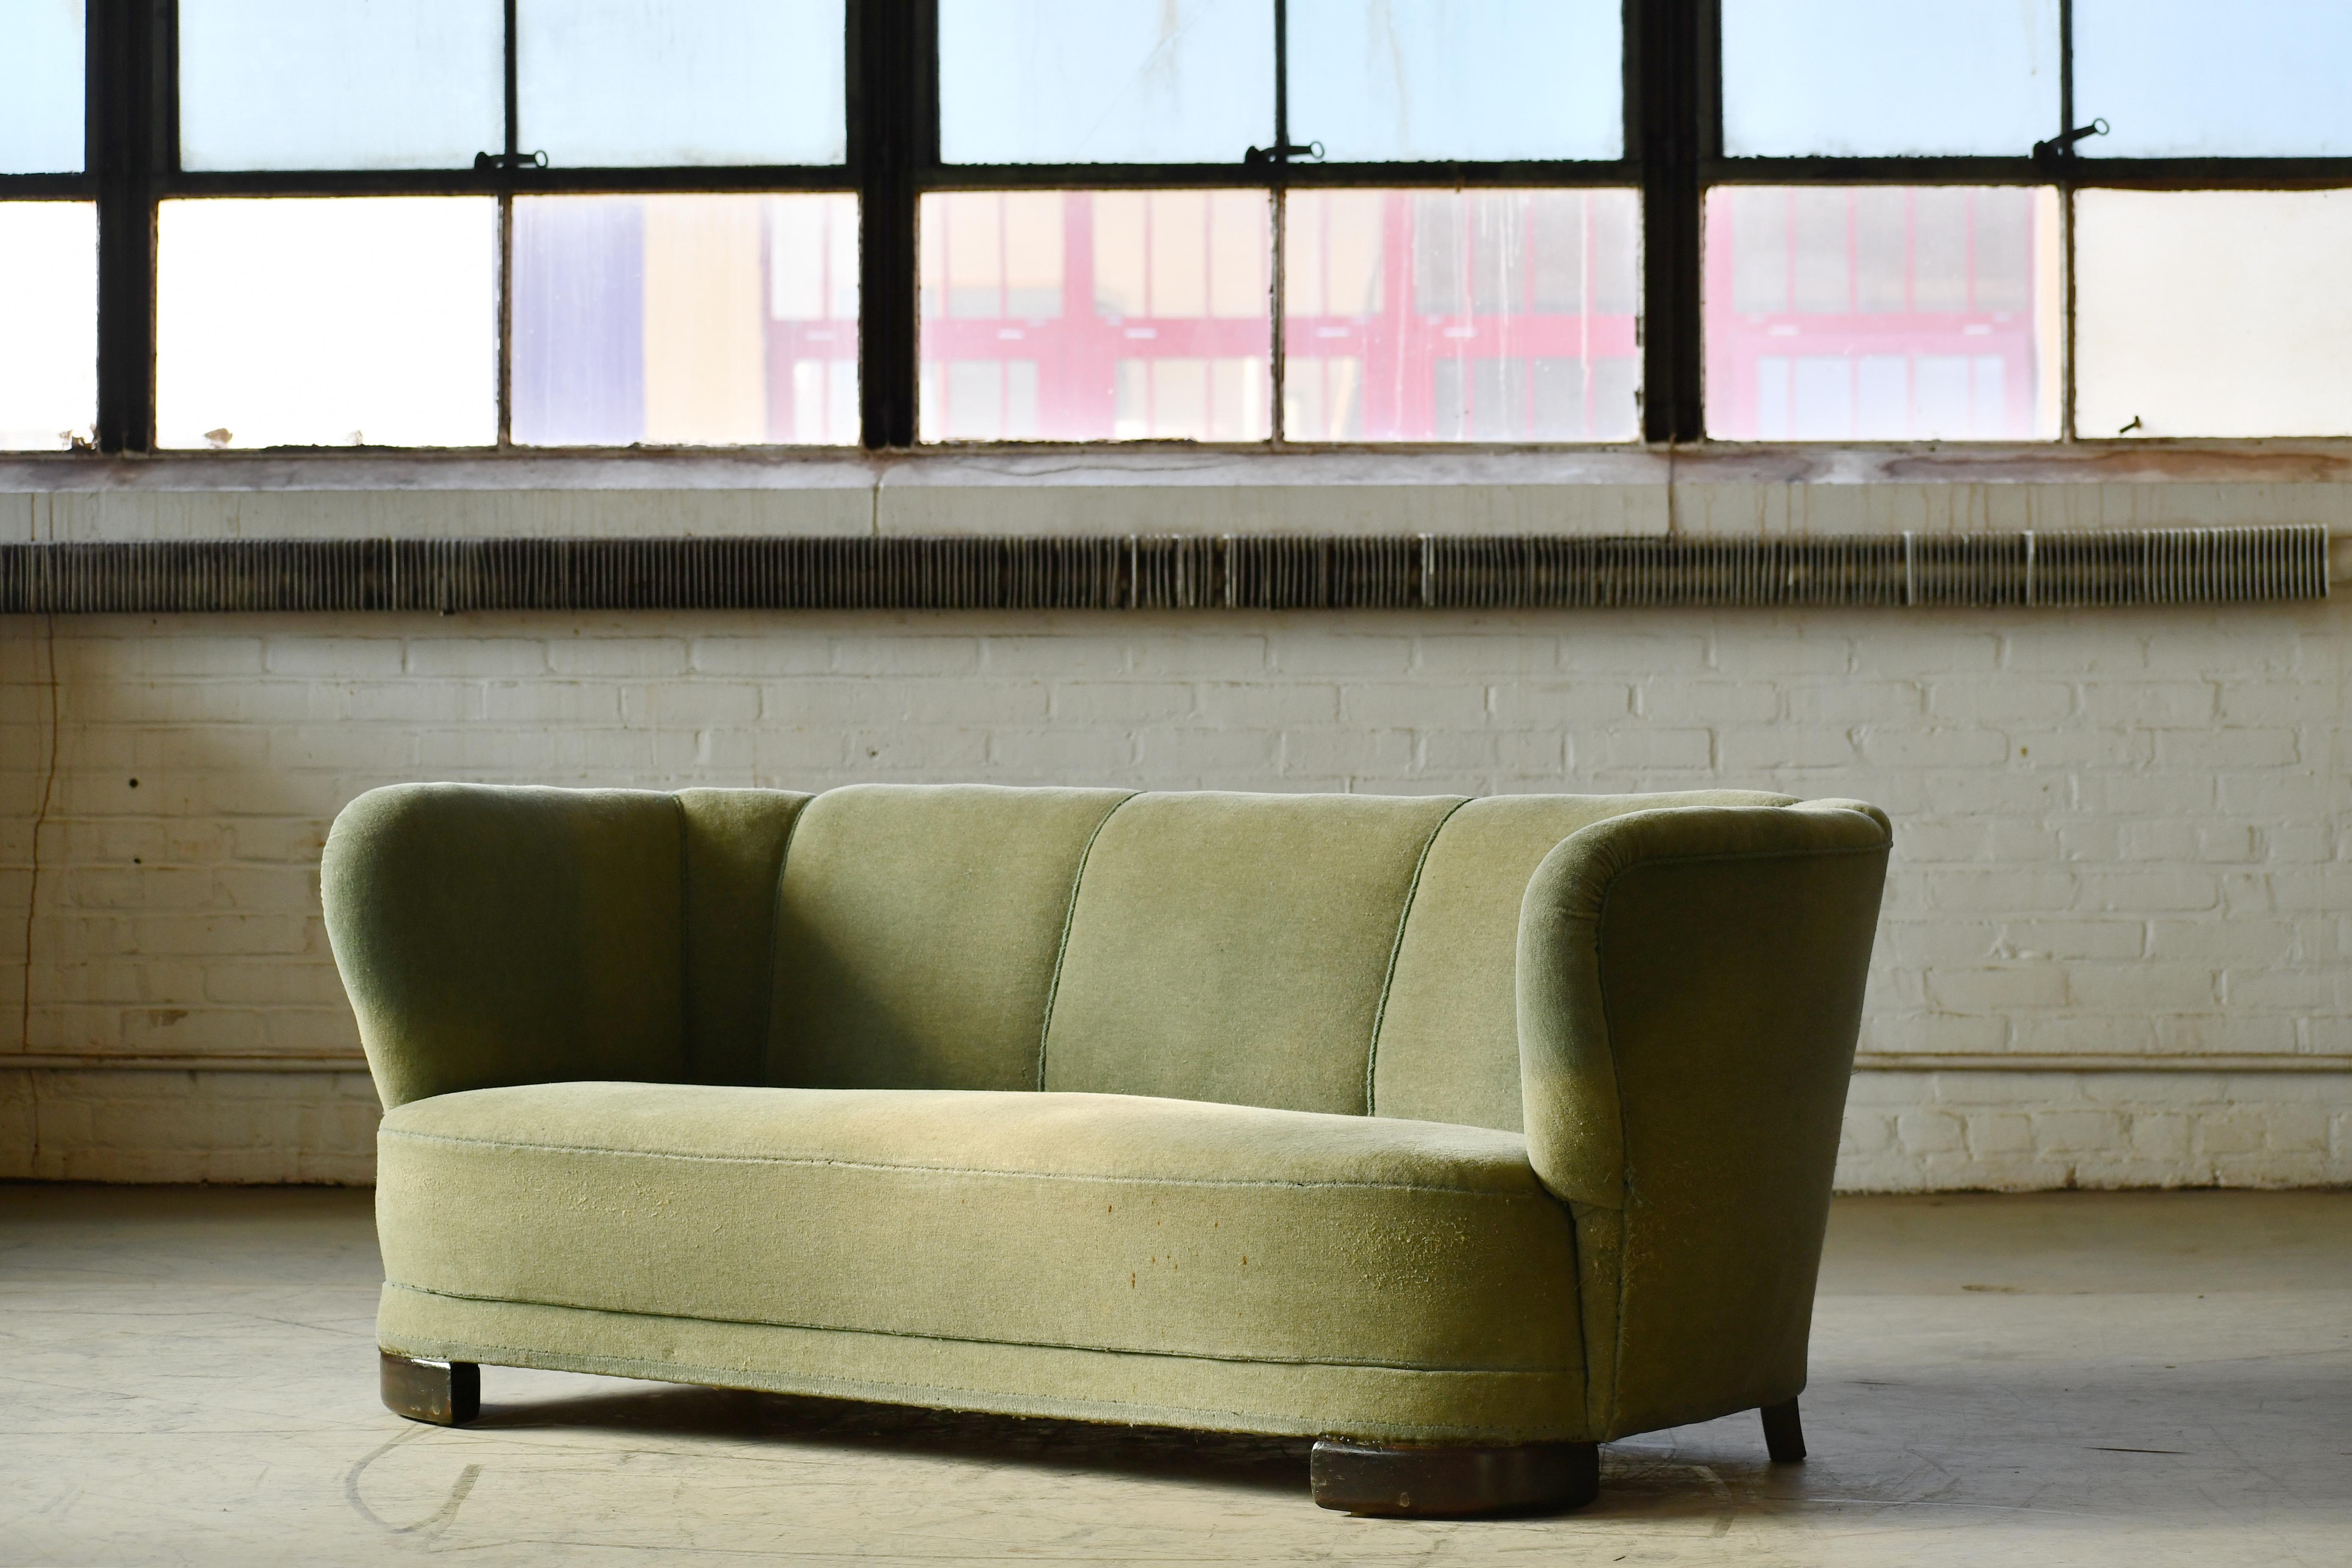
x=1209, y=1236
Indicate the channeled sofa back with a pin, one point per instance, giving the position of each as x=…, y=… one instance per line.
x=1661, y=990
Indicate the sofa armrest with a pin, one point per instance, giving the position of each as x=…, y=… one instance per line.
x=491, y=936
x=1690, y=985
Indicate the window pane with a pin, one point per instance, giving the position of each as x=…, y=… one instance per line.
x=1097, y=315
x=336, y=321
x=381, y=84
x=40, y=112
x=607, y=83
x=48, y=323
x=1105, y=81
x=685, y=319
x=1462, y=316
x=2212, y=313
x=1396, y=81
x=1881, y=313
x=1863, y=78
x=2188, y=79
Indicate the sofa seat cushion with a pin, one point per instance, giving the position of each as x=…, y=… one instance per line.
x=1081, y=1221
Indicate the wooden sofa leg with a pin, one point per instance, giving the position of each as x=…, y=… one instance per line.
x=443, y=1393
x=1784, y=1435
x=1444, y=1482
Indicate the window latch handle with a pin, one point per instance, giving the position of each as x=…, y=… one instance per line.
x=1282, y=152
x=486, y=161
x=2063, y=144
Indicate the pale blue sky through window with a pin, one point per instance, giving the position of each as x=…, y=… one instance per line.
x=1401, y=80
x=1864, y=78
x=1105, y=81
x=40, y=112
x=2188, y=79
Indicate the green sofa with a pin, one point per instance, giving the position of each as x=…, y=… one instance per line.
x=1460, y=1135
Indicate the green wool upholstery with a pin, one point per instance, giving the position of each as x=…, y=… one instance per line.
x=1236, y=947
x=1261, y=1240
x=735, y=842
x=1690, y=988
x=494, y=936
x=917, y=932
x=1449, y=1043
x=1423, y=1120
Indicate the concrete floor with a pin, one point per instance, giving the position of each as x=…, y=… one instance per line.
x=2138, y=1379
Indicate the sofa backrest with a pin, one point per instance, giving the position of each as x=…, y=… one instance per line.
x=916, y=933
x=1347, y=953
x=732, y=852
x=1236, y=947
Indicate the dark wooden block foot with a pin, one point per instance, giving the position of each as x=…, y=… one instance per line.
x=443, y=1392
x=1784, y=1435
x=1441, y=1482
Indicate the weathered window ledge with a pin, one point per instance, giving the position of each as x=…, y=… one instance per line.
x=1726, y=491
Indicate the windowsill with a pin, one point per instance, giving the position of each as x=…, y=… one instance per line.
x=1722, y=489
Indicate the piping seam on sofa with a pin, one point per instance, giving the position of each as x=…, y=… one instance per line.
x=685, y=930
x=818, y=1160
x=1073, y=1345
x=1388, y=976
x=1070, y=919
x=776, y=937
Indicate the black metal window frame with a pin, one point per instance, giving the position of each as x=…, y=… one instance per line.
x=1673, y=155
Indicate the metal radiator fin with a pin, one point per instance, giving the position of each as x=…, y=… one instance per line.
x=1173, y=572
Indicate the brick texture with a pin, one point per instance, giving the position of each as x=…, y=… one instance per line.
x=313, y=1128
x=2120, y=833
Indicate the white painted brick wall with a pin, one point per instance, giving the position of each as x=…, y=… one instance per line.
x=2122, y=833
x=232, y=1127
x=1911, y=1131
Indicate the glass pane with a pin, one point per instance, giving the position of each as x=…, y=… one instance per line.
x=381, y=84
x=685, y=319
x=48, y=323
x=1863, y=78
x=2185, y=79
x=2212, y=313
x=608, y=83
x=1397, y=80
x=40, y=113
x=1097, y=315
x=1105, y=81
x=1462, y=316
x=346, y=320
x=1881, y=312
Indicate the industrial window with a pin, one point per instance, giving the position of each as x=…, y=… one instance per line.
x=601, y=224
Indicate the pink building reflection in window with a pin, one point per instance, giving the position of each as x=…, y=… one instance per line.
x=1097, y=315
x=1880, y=312
x=1494, y=315
x=1412, y=316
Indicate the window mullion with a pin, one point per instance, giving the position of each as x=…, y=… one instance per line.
x=1280, y=205
x=892, y=122
x=513, y=141
x=2066, y=223
x=130, y=143
x=1665, y=41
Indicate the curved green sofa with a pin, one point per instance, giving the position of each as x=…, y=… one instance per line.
x=1461, y=1134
